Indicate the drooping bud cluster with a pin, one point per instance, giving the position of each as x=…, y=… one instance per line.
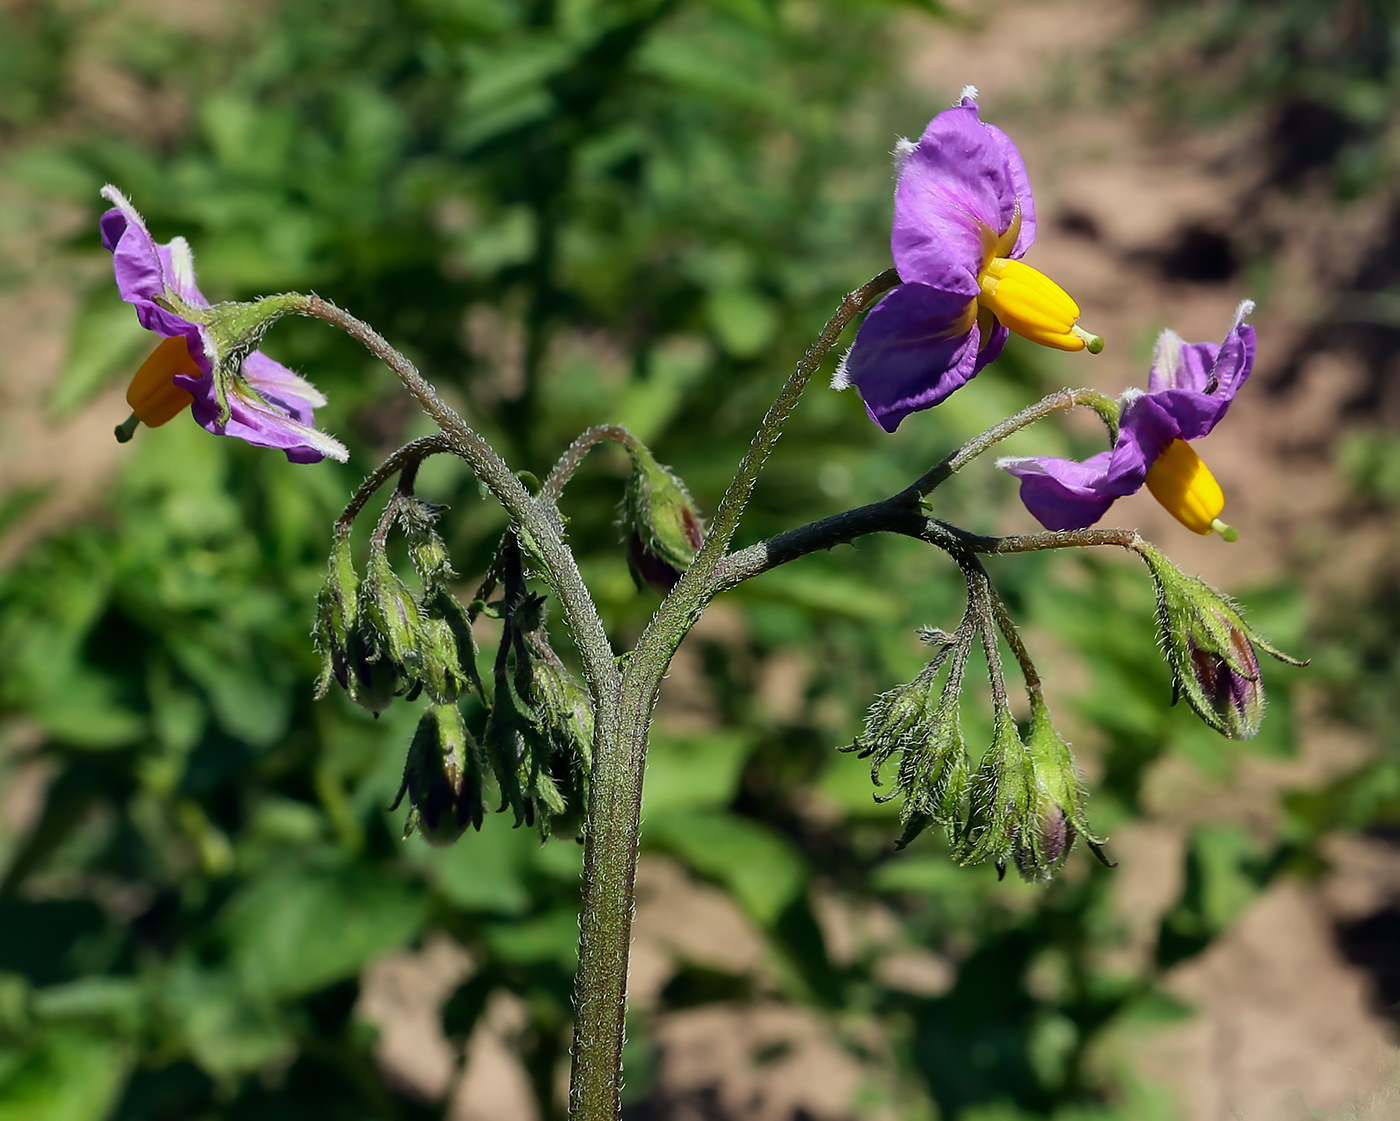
x=1023, y=804
x=927, y=735
x=1210, y=648
x=662, y=524
x=379, y=639
x=539, y=734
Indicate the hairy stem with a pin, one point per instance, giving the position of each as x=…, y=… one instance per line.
x=1055, y=403
x=575, y=454
x=736, y=497
x=406, y=458
x=614, y=817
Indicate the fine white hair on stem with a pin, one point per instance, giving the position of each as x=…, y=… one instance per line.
x=967, y=91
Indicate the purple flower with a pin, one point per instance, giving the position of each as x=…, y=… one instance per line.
x=963, y=218
x=263, y=403
x=1188, y=391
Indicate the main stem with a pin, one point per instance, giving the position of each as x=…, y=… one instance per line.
x=614, y=813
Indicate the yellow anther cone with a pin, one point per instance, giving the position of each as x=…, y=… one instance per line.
x=1031, y=304
x=153, y=395
x=1182, y=483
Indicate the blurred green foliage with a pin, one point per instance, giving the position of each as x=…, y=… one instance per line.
x=567, y=211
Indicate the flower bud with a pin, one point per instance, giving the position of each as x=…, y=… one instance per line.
x=1002, y=799
x=893, y=719
x=442, y=778
x=932, y=775
x=336, y=611
x=418, y=520
x=447, y=648
x=663, y=524
x=1210, y=648
x=1054, y=816
x=374, y=681
x=389, y=615
x=562, y=752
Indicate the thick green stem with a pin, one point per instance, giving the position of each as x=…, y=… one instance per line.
x=614, y=815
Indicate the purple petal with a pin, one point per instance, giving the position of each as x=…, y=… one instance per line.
x=1235, y=361
x=144, y=270
x=1061, y=493
x=1177, y=364
x=1147, y=428
x=1194, y=383
x=1066, y=494
x=1021, y=185
x=294, y=395
x=262, y=425
x=990, y=351
x=915, y=347
x=958, y=188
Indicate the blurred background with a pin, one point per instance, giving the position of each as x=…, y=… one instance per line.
x=640, y=211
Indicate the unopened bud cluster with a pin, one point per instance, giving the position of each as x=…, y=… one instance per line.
x=380, y=640
x=1022, y=804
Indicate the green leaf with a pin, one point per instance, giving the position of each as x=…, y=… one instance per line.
x=294, y=930
x=62, y=1075
x=693, y=774
x=762, y=869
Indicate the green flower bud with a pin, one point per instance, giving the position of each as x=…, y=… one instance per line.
x=932, y=775
x=1210, y=648
x=893, y=719
x=374, y=681
x=336, y=611
x=933, y=769
x=1054, y=817
x=1003, y=799
x=418, y=520
x=442, y=778
x=447, y=648
x=663, y=525
x=561, y=747
x=389, y=615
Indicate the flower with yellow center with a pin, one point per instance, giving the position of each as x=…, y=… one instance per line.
x=1189, y=390
x=963, y=218
x=261, y=401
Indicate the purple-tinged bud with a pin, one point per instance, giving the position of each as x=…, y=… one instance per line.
x=1054, y=817
x=1210, y=648
x=442, y=778
x=663, y=525
x=1236, y=696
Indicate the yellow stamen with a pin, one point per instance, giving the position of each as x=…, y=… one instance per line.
x=1184, y=485
x=153, y=395
x=1031, y=304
